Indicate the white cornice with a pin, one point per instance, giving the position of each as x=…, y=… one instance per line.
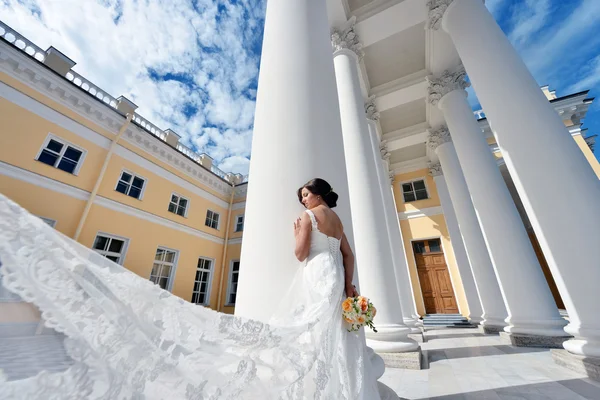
x=71, y=191
x=35, y=75
x=397, y=84
x=410, y=165
x=238, y=206
x=424, y=212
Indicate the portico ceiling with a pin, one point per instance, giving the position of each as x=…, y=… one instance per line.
x=399, y=53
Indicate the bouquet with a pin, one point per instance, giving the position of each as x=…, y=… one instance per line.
x=357, y=312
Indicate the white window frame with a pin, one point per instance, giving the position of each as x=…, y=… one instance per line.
x=133, y=175
x=209, y=283
x=237, y=222
x=218, y=222
x=111, y=236
x=187, y=207
x=173, y=267
x=51, y=222
x=62, y=152
x=230, y=282
x=424, y=179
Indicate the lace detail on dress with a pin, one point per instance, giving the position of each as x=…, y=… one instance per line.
x=130, y=339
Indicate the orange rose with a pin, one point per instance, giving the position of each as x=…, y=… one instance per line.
x=348, y=320
x=360, y=319
x=347, y=305
x=363, y=304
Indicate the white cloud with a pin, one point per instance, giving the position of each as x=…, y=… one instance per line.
x=590, y=77
x=528, y=17
x=129, y=47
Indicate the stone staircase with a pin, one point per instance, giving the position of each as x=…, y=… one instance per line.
x=446, y=320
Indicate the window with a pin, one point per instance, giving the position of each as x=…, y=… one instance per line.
x=234, y=273
x=163, y=267
x=434, y=246
x=212, y=219
x=51, y=223
x=201, y=293
x=111, y=247
x=62, y=155
x=178, y=205
x=239, y=224
x=414, y=190
x=130, y=185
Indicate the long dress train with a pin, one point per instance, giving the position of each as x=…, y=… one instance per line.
x=128, y=339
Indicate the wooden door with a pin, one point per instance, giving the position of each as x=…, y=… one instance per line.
x=436, y=285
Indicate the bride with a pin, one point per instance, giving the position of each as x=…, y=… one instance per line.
x=126, y=338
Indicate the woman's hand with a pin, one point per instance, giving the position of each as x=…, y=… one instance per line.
x=297, y=227
x=351, y=291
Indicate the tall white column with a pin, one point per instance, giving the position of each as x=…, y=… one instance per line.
x=297, y=137
x=559, y=190
x=464, y=267
x=394, y=235
x=494, y=310
x=373, y=253
x=531, y=307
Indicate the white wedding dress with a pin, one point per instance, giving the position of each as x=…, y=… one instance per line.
x=119, y=336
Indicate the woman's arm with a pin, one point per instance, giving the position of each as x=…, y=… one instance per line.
x=348, y=259
x=302, y=229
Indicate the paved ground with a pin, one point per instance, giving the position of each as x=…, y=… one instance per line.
x=465, y=364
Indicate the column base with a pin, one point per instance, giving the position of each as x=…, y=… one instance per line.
x=475, y=320
x=520, y=340
x=390, y=339
x=386, y=393
x=589, y=366
x=406, y=360
x=417, y=337
x=551, y=327
x=490, y=329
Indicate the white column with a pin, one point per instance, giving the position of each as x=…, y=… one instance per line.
x=464, y=267
x=394, y=234
x=559, y=190
x=494, y=310
x=373, y=253
x=297, y=137
x=531, y=307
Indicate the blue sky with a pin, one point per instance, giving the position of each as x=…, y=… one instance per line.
x=559, y=41
x=192, y=65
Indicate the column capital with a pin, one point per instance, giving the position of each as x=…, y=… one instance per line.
x=436, y=10
x=435, y=169
x=448, y=81
x=438, y=137
x=383, y=148
x=392, y=176
x=371, y=109
x=347, y=38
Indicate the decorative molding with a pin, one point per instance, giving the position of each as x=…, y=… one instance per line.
x=347, y=39
x=436, y=11
x=392, y=176
x=401, y=83
x=424, y=212
x=71, y=191
x=42, y=181
x=438, y=136
x=383, y=149
x=238, y=206
x=235, y=241
x=410, y=165
x=371, y=109
x=448, y=81
x=435, y=169
x=36, y=76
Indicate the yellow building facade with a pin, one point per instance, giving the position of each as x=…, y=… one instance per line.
x=151, y=204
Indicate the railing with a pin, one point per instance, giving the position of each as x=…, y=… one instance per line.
x=479, y=114
x=21, y=43
x=13, y=37
x=92, y=89
x=189, y=152
x=150, y=127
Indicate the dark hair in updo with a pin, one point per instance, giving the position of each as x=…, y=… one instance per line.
x=320, y=187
